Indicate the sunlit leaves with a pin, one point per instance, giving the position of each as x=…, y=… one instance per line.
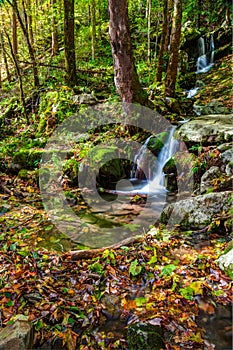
x=135, y=269
x=167, y=270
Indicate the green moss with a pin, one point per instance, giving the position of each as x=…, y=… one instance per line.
x=145, y=337
x=156, y=143
x=28, y=158
x=24, y=174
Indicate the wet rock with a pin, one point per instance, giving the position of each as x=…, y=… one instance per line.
x=227, y=156
x=214, y=107
x=225, y=261
x=4, y=208
x=209, y=177
x=17, y=336
x=143, y=336
x=111, y=306
x=207, y=129
x=197, y=212
x=87, y=99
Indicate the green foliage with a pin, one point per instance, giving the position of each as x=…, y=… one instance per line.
x=135, y=269
x=167, y=270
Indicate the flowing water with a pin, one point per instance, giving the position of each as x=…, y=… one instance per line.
x=156, y=182
x=206, y=54
x=205, y=60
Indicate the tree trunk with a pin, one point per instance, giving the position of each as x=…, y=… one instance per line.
x=30, y=25
x=14, y=34
x=169, y=20
x=157, y=34
x=69, y=45
x=26, y=36
x=5, y=56
x=55, y=46
x=162, y=43
x=93, y=29
x=125, y=75
x=149, y=4
x=19, y=78
x=170, y=82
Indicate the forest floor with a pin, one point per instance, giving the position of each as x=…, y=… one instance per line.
x=167, y=278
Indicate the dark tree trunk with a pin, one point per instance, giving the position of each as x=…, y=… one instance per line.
x=69, y=45
x=14, y=34
x=125, y=75
x=162, y=44
x=170, y=82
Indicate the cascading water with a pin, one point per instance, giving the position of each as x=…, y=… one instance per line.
x=206, y=54
x=170, y=147
x=156, y=181
x=138, y=160
x=205, y=60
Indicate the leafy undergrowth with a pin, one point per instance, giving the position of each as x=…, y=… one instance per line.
x=217, y=84
x=88, y=304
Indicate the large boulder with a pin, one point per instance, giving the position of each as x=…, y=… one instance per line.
x=197, y=212
x=225, y=261
x=17, y=336
x=207, y=129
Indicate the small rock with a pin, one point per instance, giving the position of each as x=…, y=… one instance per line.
x=17, y=336
x=87, y=99
x=4, y=208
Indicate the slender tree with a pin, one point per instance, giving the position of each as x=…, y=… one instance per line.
x=55, y=46
x=125, y=75
x=4, y=54
x=149, y=7
x=24, y=28
x=22, y=98
x=162, y=41
x=14, y=33
x=170, y=82
x=93, y=28
x=69, y=44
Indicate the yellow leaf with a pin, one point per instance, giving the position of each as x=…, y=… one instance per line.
x=196, y=287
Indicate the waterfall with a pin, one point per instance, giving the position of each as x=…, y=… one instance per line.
x=157, y=183
x=138, y=160
x=206, y=54
x=205, y=60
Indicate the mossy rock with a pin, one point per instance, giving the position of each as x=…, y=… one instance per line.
x=156, y=143
x=24, y=174
x=145, y=337
x=28, y=158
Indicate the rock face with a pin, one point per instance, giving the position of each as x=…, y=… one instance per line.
x=197, y=212
x=207, y=180
x=17, y=336
x=225, y=261
x=207, y=129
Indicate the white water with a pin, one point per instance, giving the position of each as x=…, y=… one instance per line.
x=157, y=184
x=203, y=62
